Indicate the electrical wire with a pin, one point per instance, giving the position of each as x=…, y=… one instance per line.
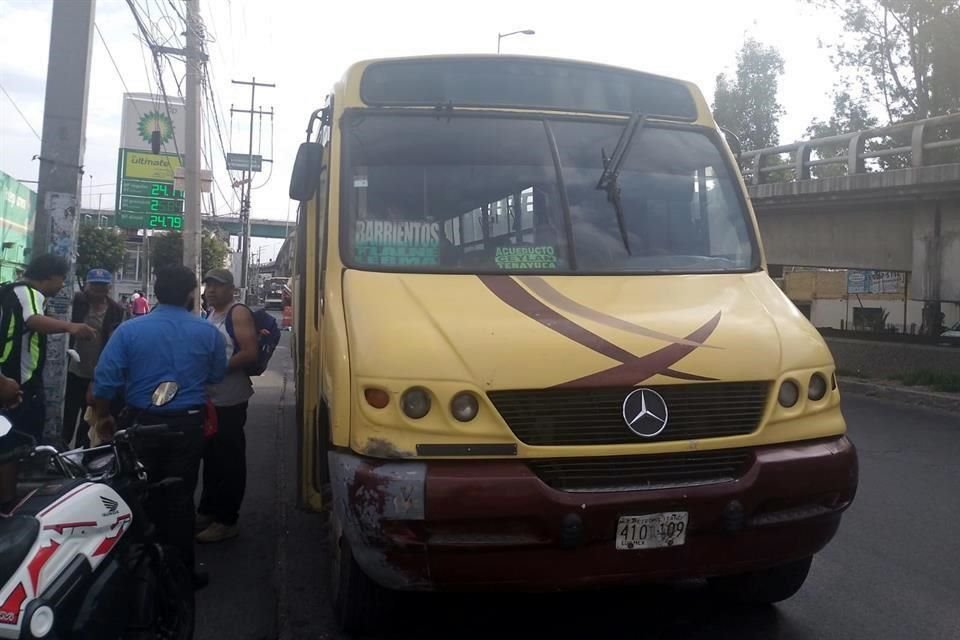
x=25, y=121
x=176, y=10
x=149, y=39
x=212, y=105
x=270, y=172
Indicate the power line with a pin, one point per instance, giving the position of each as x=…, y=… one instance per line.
x=14, y=103
x=156, y=61
x=270, y=172
x=176, y=10
x=110, y=55
x=212, y=104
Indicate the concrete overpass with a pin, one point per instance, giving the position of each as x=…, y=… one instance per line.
x=230, y=225
x=828, y=202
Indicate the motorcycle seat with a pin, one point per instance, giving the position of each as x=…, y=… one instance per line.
x=48, y=493
x=17, y=535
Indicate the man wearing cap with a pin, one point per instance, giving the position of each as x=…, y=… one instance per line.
x=93, y=307
x=169, y=344
x=224, y=454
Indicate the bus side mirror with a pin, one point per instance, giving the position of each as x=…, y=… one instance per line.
x=306, y=171
x=733, y=142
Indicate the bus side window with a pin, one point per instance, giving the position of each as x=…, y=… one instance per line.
x=321, y=253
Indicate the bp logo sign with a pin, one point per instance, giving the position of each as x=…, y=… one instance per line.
x=155, y=121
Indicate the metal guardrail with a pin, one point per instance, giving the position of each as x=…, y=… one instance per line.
x=756, y=168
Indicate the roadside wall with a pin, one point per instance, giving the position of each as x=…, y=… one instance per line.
x=877, y=359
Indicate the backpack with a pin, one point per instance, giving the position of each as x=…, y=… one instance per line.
x=268, y=337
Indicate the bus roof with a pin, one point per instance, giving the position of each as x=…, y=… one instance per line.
x=518, y=82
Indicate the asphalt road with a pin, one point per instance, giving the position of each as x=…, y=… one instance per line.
x=893, y=571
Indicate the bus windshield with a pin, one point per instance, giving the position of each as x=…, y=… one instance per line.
x=472, y=194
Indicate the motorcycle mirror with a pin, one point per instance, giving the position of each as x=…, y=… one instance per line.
x=5, y=426
x=164, y=393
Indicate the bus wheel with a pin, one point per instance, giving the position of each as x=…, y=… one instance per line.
x=763, y=587
x=359, y=604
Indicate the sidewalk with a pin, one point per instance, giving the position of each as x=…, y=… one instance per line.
x=896, y=392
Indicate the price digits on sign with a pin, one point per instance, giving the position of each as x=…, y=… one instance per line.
x=164, y=206
x=165, y=222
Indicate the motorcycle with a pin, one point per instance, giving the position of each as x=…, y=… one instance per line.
x=79, y=557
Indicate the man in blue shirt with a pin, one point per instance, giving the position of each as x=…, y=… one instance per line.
x=168, y=344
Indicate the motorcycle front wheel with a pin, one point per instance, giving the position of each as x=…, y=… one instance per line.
x=174, y=607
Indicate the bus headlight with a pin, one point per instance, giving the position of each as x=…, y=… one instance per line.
x=817, y=388
x=789, y=394
x=464, y=406
x=415, y=403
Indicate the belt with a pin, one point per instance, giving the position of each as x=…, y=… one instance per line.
x=193, y=416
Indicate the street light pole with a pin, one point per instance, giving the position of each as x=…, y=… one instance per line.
x=501, y=36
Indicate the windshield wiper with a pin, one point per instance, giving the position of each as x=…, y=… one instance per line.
x=610, y=177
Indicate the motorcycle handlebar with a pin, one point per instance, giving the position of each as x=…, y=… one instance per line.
x=152, y=429
x=142, y=430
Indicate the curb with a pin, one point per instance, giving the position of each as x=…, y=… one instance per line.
x=901, y=394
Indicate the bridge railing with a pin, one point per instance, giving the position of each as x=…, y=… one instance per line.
x=848, y=153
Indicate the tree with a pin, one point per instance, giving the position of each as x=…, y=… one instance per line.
x=747, y=103
x=99, y=248
x=849, y=115
x=904, y=55
x=166, y=249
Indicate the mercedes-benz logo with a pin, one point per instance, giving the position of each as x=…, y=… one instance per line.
x=645, y=412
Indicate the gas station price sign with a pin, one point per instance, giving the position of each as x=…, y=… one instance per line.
x=147, y=198
x=136, y=204
x=150, y=189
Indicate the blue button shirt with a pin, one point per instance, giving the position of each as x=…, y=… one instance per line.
x=170, y=343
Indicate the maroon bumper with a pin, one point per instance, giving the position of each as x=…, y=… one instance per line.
x=485, y=523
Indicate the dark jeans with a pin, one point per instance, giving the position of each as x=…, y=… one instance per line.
x=28, y=416
x=74, y=404
x=225, y=466
x=167, y=456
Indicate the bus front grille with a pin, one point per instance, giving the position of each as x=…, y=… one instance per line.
x=577, y=417
x=632, y=473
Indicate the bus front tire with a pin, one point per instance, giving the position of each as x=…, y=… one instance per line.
x=766, y=586
x=359, y=604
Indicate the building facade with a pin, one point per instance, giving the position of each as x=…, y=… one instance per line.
x=17, y=206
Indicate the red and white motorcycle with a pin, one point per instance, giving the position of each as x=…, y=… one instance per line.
x=78, y=555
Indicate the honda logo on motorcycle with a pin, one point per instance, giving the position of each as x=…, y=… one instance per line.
x=110, y=505
x=645, y=412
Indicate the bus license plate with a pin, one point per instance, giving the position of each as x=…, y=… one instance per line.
x=652, y=531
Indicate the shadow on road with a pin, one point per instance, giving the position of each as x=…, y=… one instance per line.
x=643, y=613
x=684, y=611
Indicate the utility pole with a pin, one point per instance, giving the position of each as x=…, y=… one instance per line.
x=191, y=219
x=248, y=183
x=61, y=167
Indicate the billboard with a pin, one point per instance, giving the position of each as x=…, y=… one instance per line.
x=876, y=282
x=17, y=206
x=146, y=197
x=143, y=113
